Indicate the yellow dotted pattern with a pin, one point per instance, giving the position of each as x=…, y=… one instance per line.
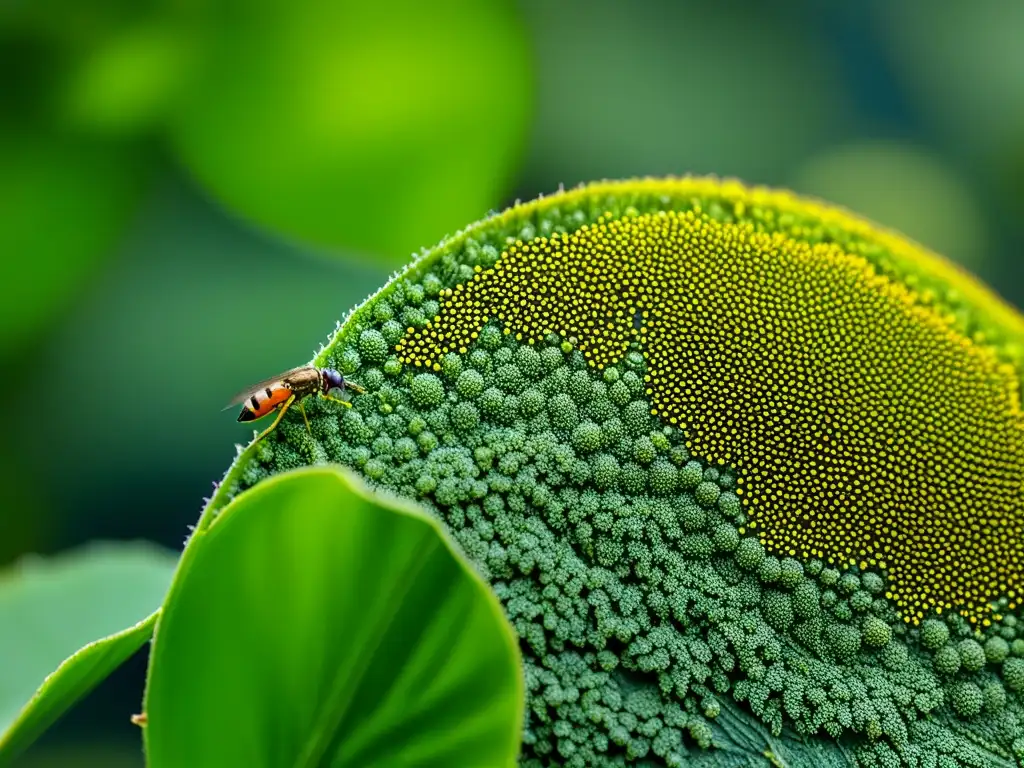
x=864, y=427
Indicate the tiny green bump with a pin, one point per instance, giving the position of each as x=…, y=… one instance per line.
x=491, y=402
x=413, y=317
x=849, y=583
x=392, y=331
x=749, y=554
x=946, y=660
x=563, y=412
x=692, y=517
x=587, y=437
x=679, y=455
x=690, y=475
x=771, y=570
x=427, y=441
x=375, y=469
x=663, y=477
x=806, y=599
x=895, y=656
x=432, y=284
x=605, y=470
x=995, y=697
x=372, y=379
x=873, y=583
x=644, y=450
x=414, y=294
x=470, y=384
x=1013, y=674
x=972, y=655
x=490, y=338
x=373, y=346
x=509, y=378
x=845, y=641
x=465, y=417
x=934, y=634
x=725, y=537
x=637, y=417
x=861, y=600
x=996, y=650
x=425, y=484
x=349, y=361
x=707, y=493
x=791, y=572
x=876, y=632
x=481, y=360
x=967, y=698
x=451, y=366
x=729, y=503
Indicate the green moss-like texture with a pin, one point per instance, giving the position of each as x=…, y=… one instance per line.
x=657, y=629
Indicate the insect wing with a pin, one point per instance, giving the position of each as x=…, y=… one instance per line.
x=245, y=394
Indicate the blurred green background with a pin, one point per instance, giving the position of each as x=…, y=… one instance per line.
x=193, y=193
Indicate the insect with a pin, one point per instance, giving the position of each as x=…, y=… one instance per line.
x=284, y=390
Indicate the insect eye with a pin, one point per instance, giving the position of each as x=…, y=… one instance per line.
x=333, y=380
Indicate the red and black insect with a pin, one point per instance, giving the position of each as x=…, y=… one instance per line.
x=286, y=389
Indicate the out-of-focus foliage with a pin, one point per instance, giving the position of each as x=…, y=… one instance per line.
x=323, y=122
x=961, y=70
x=126, y=82
x=687, y=87
x=64, y=201
x=66, y=685
x=315, y=624
x=329, y=121
x=963, y=65
x=903, y=188
x=49, y=609
x=84, y=756
x=189, y=315
x=27, y=509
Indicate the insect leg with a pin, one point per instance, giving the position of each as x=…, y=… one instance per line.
x=284, y=407
x=336, y=400
x=302, y=408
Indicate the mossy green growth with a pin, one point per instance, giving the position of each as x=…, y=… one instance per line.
x=623, y=557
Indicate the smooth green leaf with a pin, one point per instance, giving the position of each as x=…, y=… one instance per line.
x=52, y=612
x=314, y=624
x=358, y=125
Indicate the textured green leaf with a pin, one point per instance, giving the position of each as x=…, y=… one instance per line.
x=314, y=624
x=740, y=740
x=52, y=611
x=656, y=627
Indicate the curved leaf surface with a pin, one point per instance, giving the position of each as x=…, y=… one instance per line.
x=314, y=624
x=51, y=609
